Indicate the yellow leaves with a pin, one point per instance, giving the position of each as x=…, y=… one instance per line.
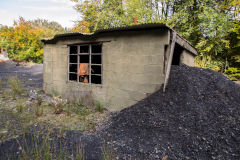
x=235, y=3
x=82, y=27
x=24, y=40
x=226, y=42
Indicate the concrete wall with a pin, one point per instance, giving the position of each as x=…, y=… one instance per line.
x=132, y=68
x=187, y=58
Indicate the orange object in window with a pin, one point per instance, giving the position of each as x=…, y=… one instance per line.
x=83, y=69
x=85, y=80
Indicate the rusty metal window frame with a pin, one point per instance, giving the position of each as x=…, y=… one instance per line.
x=90, y=62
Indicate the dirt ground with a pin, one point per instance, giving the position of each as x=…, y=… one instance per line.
x=30, y=74
x=197, y=118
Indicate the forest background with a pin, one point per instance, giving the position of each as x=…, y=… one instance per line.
x=212, y=26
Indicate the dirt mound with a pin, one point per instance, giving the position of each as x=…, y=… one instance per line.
x=197, y=118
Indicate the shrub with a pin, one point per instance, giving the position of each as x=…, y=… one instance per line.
x=58, y=105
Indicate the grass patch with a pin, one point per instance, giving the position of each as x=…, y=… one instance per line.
x=16, y=86
x=54, y=111
x=99, y=106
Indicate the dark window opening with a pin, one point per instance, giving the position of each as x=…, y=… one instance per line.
x=73, y=68
x=96, y=59
x=84, y=49
x=72, y=77
x=96, y=70
x=96, y=48
x=86, y=65
x=84, y=58
x=177, y=55
x=73, y=49
x=73, y=59
x=96, y=79
x=84, y=79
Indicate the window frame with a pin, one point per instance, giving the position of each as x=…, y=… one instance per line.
x=90, y=62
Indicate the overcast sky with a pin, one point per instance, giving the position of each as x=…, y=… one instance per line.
x=60, y=11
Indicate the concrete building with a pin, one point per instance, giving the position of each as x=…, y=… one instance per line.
x=118, y=66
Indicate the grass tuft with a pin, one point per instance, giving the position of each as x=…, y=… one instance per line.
x=99, y=106
x=108, y=152
x=20, y=106
x=80, y=152
x=15, y=85
x=38, y=107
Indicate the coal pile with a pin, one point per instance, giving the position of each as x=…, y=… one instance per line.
x=197, y=118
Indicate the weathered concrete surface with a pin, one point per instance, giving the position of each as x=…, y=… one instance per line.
x=132, y=67
x=187, y=58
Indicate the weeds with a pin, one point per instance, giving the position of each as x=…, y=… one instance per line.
x=16, y=86
x=107, y=152
x=58, y=105
x=38, y=107
x=38, y=110
x=20, y=106
x=98, y=106
x=80, y=152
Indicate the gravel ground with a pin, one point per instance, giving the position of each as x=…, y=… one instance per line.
x=197, y=118
x=32, y=77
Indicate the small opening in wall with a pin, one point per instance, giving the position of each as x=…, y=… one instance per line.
x=96, y=59
x=96, y=48
x=72, y=77
x=84, y=58
x=96, y=69
x=84, y=49
x=73, y=59
x=96, y=79
x=73, y=68
x=73, y=50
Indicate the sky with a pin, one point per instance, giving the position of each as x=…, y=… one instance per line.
x=60, y=11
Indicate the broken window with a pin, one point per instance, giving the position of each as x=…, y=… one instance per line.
x=85, y=63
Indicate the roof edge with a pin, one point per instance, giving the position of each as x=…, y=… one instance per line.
x=183, y=42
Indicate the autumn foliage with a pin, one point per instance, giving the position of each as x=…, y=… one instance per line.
x=23, y=40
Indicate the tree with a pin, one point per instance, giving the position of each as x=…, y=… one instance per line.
x=212, y=26
x=23, y=40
